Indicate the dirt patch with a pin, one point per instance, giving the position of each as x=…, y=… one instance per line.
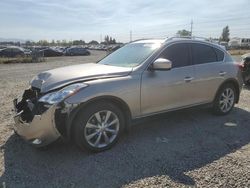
x=15, y=60
x=238, y=52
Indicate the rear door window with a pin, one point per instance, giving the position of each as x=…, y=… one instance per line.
x=178, y=54
x=203, y=54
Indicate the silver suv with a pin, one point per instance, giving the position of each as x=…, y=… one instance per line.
x=92, y=104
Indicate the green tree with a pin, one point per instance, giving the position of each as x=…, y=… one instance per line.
x=183, y=33
x=114, y=41
x=64, y=42
x=106, y=39
x=53, y=42
x=58, y=42
x=43, y=42
x=78, y=42
x=93, y=42
x=28, y=43
x=109, y=40
x=225, y=34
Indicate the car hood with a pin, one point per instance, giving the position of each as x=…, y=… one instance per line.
x=60, y=77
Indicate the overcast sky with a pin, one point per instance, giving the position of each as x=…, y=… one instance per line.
x=89, y=19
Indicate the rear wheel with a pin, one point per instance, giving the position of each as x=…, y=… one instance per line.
x=225, y=100
x=98, y=127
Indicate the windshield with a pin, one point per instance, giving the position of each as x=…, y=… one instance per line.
x=131, y=55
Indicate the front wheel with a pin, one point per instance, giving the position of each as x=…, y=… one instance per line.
x=98, y=127
x=225, y=100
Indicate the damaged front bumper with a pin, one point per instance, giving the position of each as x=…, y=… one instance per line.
x=38, y=128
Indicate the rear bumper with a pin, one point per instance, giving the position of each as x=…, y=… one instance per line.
x=39, y=132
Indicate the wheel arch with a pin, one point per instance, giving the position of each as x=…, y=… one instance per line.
x=236, y=85
x=114, y=100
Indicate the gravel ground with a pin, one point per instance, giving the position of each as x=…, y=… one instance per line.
x=189, y=148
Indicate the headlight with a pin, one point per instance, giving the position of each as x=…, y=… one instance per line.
x=62, y=94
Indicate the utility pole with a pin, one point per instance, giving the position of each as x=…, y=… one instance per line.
x=130, y=33
x=191, y=31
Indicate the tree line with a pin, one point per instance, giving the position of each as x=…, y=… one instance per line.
x=107, y=40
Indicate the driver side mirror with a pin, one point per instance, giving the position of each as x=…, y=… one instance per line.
x=161, y=64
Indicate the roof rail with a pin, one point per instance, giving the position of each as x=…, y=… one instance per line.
x=145, y=39
x=181, y=37
x=190, y=37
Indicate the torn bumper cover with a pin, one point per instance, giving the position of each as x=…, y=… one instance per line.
x=34, y=122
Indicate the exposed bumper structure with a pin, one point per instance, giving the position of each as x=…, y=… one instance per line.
x=40, y=130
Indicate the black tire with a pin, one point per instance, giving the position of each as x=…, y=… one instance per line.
x=83, y=117
x=217, y=109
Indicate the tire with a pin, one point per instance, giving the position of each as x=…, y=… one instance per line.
x=89, y=127
x=224, y=100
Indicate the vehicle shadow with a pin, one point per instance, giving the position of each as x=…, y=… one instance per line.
x=169, y=144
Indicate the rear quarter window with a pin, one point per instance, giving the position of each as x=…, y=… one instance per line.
x=219, y=54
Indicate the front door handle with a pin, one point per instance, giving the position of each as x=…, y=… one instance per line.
x=222, y=73
x=188, y=79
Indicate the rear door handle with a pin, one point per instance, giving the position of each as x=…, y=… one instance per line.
x=188, y=79
x=222, y=73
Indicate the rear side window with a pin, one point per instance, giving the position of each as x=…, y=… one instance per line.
x=220, y=54
x=178, y=54
x=203, y=54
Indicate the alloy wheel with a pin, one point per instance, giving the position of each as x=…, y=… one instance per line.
x=102, y=128
x=226, y=100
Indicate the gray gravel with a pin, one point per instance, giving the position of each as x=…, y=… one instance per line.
x=189, y=148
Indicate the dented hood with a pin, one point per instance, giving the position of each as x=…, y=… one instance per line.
x=57, y=78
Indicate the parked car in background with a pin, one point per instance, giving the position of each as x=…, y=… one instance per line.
x=224, y=44
x=27, y=52
x=92, y=104
x=246, y=68
x=51, y=52
x=12, y=52
x=76, y=51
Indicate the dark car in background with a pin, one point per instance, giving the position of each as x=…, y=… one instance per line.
x=76, y=51
x=13, y=52
x=51, y=52
x=246, y=69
